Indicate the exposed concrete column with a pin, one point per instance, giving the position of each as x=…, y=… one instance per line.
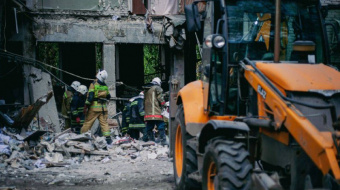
x=37, y=82
x=178, y=67
x=109, y=64
x=29, y=52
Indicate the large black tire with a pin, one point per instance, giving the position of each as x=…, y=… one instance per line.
x=226, y=166
x=185, y=159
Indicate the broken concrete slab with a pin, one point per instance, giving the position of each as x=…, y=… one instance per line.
x=50, y=147
x=61, y=133
x=125, y=146
x=54, y=157
x=100, y=142
x=152, y=156
x=41, y=82
x=82, y=137
x=85, y=146
x=72, y=143
x=138, y=146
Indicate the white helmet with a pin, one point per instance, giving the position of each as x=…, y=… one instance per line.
x=75, y=85
x=82, y=89
x=156, y=80
x=102, y=75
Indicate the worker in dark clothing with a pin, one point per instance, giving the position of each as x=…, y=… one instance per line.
x=153, y=103
x=77, y=109
x=137, y=125
x=126, y=118
x=97, y=105
x=67, y=97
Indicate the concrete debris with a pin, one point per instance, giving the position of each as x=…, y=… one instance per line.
x=85, y=146
x=100, y=142
x=105, y=160
x=152, y=156
x=54, y=157
x=39, y=164
x=4, y=149
x=37, y=151
x=50, y=147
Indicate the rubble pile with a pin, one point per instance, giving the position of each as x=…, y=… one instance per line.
x=32, y=152
x=68, y=148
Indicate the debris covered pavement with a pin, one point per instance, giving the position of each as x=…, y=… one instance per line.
x=67, y=160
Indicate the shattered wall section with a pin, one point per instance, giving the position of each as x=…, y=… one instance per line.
x=81, y=7
x=40, y=84
x=91, y=30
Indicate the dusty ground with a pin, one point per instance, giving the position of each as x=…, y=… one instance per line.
x=119, y=172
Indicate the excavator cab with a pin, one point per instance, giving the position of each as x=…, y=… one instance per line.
x=266, y=112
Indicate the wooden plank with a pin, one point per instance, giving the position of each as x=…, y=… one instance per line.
x=61, y=133
x=27, y=114
x=79, y=151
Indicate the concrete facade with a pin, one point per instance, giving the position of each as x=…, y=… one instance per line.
x=108, y=22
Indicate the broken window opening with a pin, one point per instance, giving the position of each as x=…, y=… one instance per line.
x=99, y=56
x=152, y=63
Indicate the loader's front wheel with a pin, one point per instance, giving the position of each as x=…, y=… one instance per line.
x=185, y=159
x=226, y=166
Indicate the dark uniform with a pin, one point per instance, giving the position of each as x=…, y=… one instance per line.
x=126, y=118
x=77, y=111
x=65, y=107
x=136, y=124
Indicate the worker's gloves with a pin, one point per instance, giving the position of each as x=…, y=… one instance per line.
x=78, y=120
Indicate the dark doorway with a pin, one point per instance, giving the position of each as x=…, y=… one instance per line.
x=130, y=68
x=79, y=59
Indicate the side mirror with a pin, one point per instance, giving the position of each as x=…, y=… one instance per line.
x=192, y=17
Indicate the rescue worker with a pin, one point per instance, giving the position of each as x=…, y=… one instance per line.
x=96, y=104
x=67, y=97
x=126, y=118
x=77, y=109
x=137, y=124
x=153, y=102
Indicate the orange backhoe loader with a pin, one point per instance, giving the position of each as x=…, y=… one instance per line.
x=266, y=112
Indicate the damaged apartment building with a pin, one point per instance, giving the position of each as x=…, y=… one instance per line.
x=87, y=35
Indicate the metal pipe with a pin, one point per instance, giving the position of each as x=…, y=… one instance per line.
x=16, y=21
x=277, y=39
